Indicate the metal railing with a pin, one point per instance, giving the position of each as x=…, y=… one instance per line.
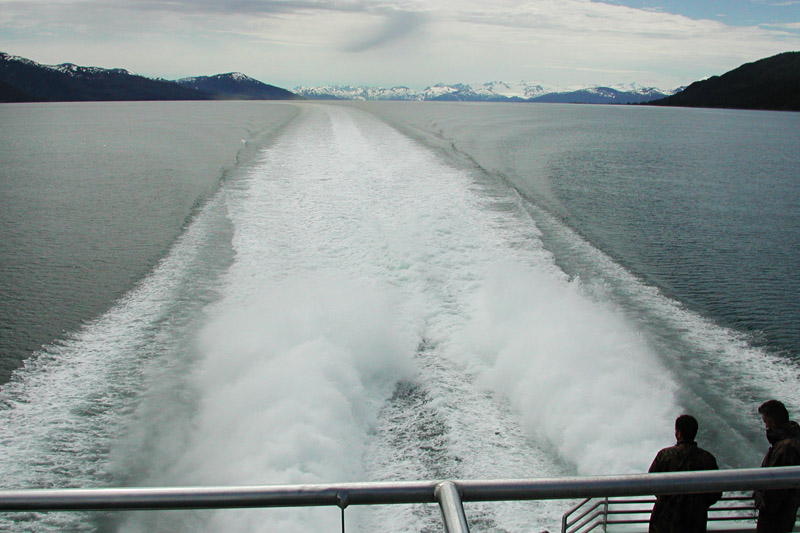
x=448, y=494
x=737, y=512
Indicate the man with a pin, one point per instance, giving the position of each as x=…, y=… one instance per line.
x=777, y=509
x=683, y=513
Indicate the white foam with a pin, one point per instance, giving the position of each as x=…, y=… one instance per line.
x=362, y=260
x=353, y=246
x=291, y=382
x=722, y=377
x=581, y=378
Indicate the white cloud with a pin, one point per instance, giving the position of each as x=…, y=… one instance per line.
x=785, y=26
x=388, y=42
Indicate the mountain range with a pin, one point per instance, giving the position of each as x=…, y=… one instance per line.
x=23, y=80
x=496, y=91
x=771, y=83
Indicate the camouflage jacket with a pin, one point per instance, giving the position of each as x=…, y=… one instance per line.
x=684, y=513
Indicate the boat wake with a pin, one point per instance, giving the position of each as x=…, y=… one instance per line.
x=350, y=307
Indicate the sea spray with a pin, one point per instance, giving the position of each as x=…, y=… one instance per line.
x=291, y=382
x=398, y=316
x=580, y=377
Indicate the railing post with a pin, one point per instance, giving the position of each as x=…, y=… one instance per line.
x=455, y=521
x=342, y=500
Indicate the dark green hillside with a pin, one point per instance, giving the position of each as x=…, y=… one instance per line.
x=9, y=93
x=236, y=86
x=23, y=80
x=32, y=82
x=771, y=83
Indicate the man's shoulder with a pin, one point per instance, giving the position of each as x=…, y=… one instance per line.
x=703, y=451
x=788, y=447
x=685, y=457
x=669, y=451
x=670, y=454
x=791, y=436
x=683, y=449
x=706, y=455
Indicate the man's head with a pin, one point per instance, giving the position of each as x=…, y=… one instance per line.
x=774, y=414
x=685, y=428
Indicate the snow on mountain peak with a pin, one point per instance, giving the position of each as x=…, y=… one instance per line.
x=72, y=69
x=492, y=91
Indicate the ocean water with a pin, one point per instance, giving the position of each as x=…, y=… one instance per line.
x=94, y=195
x=393, y=291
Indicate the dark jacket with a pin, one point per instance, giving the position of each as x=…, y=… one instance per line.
x=682, y=513
x=777, y=509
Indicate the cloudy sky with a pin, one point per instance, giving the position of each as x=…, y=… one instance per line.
x=664, y=43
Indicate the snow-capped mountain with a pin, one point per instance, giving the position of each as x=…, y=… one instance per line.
x=77, y=71
x=522, y=90
x=348, y=92
x=494, y=91
x=23, y=80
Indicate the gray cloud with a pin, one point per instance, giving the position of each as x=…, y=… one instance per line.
x=255, y=7
x=321, y=41
x=123, y=17
x=397, y=25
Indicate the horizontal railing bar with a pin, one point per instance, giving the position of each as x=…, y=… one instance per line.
x=618, y=508
x=646, y=520
x=378, y=493
x=626, y=501
x=647, y=510
x=631, y=485
x=713, y=518
x=217, y=497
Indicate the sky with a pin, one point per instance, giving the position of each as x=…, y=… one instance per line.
x=413, y=43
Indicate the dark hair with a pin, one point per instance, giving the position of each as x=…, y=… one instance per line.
x=687, y=425
x=775, y=411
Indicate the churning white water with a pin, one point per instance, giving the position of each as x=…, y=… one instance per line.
x=348, y=307
x=386, y=317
